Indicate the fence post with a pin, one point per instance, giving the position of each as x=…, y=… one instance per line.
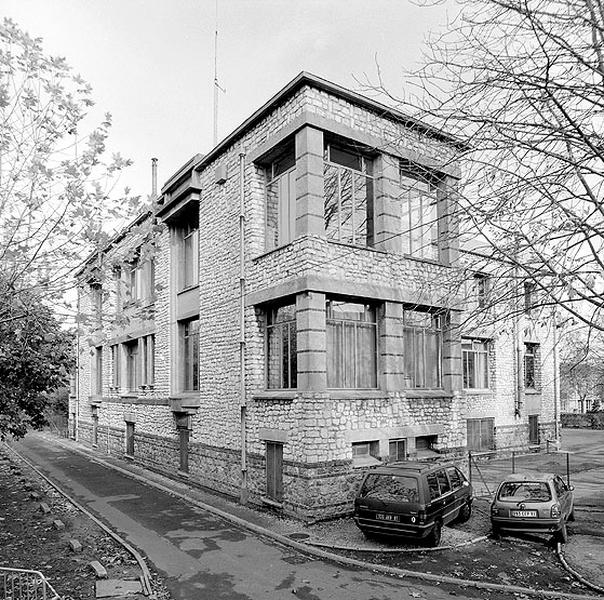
x=470, y=465
x=568, y=469
x=513, y=461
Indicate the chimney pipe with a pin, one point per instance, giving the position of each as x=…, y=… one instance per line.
x=154, y=177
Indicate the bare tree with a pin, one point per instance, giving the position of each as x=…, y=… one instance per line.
x=55, y=182
x=521, y=84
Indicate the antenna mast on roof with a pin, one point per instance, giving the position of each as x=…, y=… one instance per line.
x=217, y=86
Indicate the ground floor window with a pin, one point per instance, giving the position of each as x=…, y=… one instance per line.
x=533, y=429
x=397, y=450
x=365, y=453
x=281, y=347
x=351, y=345
x=274, y=471
x=189, y=346
x=423, y=339
x=129, y=438
x=132, y=370
x=481, y=434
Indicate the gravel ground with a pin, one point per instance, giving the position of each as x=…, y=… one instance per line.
x=28, y=539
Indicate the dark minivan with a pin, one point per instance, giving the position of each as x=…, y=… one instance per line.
x=412, y=499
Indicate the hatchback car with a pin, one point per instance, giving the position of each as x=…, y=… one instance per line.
x=533, y=503
x=412, y=499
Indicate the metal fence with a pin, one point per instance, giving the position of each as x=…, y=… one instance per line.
x=22, y=584
x=487, y=469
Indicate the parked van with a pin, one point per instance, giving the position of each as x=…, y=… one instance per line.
x=412, y=499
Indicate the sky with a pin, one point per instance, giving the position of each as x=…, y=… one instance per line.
x=151, y=62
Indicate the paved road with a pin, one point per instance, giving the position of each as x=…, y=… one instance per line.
x=202, y=556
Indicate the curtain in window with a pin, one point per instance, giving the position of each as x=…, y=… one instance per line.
x=422, y=338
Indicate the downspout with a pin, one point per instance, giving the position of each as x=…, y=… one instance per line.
x=518, y=346
x=242, y=401
x=556, y=381
x=77, y=375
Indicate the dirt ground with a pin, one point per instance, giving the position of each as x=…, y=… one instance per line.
x=28, y=539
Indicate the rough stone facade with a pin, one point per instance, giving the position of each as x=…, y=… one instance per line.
x=219, y=429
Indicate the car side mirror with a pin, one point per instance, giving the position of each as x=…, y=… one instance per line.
x=466, y=483
x=571, y=487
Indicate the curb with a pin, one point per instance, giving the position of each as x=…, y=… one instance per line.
x=335, y=558
x=146, y=575
x=482, y=538
x=574, y=573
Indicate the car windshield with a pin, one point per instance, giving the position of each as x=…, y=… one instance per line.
x=531, y=491
x=389, y=488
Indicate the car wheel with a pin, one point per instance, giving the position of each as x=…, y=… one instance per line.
x=496, y=532
x=561, y=535
x=465, y=512
x=435, y=535
x=571, y=516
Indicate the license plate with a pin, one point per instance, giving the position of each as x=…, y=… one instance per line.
x=383, y=517
x=524, y=513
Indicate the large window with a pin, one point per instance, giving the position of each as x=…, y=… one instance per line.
x=147, y=356
x=422, y=333
x=475, y=359
x=348, y=185
x=98, y=370
x=481, y=434
x=115, y=366
x=281, y=357
x=189, y=331
x=351, y=345
x=281, y=200
x=419, y=214
x=139, y=280
x=530, y=366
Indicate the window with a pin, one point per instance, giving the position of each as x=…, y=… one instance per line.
x=530, y=364
x=455, y=477
x=115, y=366
x=147, y=355
x=481, y=289
x=98, y=370
x=281, y=357
x=365, y=453
x=533, y=422
x=96, y=301
x=433, y=488
x=274, y=471
x=129, y=438
x=348, y=189
x=475, y=364
x=351, y=345
x=422, y=336
x=443, y=482
x=139, y=280
x=481, y=434
x=132, y=369
x=419, y=214
x=397, y=450
x=189, y=331
x=189, y=255
x=281, y=200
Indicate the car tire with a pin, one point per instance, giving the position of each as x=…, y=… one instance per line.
x=465, y=512
x=571, y=516
x=496, y=532
x=561, y=535
x=435, y=535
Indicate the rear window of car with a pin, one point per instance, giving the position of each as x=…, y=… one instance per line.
x=391, y=488
x=530, y=491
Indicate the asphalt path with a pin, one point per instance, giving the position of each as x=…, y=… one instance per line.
x=200, y=555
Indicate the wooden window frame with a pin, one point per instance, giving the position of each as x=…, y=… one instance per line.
x=288, y=378
x=274, y=471
x=189, y=355
x=468, y=356
x=415, y=334
x=280, y=217
x=486, y=434
x=530, y=366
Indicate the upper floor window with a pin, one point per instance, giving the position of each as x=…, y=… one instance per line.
x=475, y=364
x=140, y=280
x=281, y=347
x=419, y=213
x=422, y=336
x=348, y=187
x=530, y=366
x=115, y=366
x=281, y=200
x=529, y=296
x=481, y=290
x=132, y=365
x=96, y=300
x=351, y=345
x=189, y=255
x=98, y=370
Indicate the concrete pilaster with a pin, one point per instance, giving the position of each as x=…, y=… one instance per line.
x=452, y=378
x=309, y=182
x=391, y=347
x=311, y=338
x=387, y=204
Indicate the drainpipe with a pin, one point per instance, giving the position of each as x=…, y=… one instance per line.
x=77, y=376
x=242, y=401
x=154, y=178
x=556, y=381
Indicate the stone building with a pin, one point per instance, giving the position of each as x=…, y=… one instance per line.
x=287, y=315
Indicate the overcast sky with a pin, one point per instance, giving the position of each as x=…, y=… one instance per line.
x=151, y=65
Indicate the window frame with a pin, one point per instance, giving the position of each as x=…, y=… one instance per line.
x=365, y=171
x=132, y=349
x=274, y=470
x=116, y=366
x=189, y=373
x=364, y=459
x=340, y=360
x=530, y=366
x=486, y=442
x=465, y=353
x=189, y=230
x=396, y=455
x=417, y=331
x=289, y=326
x=285, y=231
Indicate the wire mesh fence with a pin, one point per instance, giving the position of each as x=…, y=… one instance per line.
x=22, y=584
